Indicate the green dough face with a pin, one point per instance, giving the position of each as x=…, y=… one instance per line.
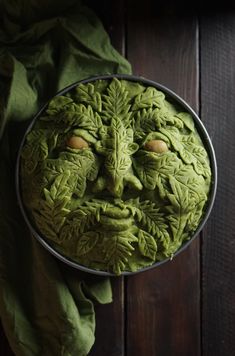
x=96, y=184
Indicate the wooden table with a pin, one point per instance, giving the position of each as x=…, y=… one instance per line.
x=187, y=306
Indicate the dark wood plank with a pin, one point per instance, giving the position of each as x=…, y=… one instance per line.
x=110, y=318
x=218, y=108
x=163, y=305
x=112, y=15
x=162, y=44
x=110, y=324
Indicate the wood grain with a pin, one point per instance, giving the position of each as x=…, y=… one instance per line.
x=163, y=305
x=218, y=108
x=162, y=44
x=110, y=324
x=113, y=16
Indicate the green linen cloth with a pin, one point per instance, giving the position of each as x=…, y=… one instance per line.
x=46, y=308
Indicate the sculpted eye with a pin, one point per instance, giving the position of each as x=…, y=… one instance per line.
x=77, y=142
x=157, y=146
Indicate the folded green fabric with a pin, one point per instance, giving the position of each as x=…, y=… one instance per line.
x=46, y=308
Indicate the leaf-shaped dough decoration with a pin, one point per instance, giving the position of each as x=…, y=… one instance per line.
x=70, y=116
x=151, y=120
x=180, y=197
x=82, y=219
x=58, y=104
x=85, y=93
x=82, y=159
x=150, y=217
x=198, y=157
x=88, y=119
x=180, y=210
x=82, y=165
x=86, y=242
x=147, y=245
x=59, y=189
x=151, y=97
x=146, y=170
x=144, y=122
x=36, y=148
x=116, y=103
x=63, y=110
x=52, y=211
x=93, y=171
x=118, y=249
x=190, y=151
x=153, y=168
x=117, y=167
x=177, y=222
x=187, y=120
x=117, y=147
x=147, y=216
x=195, y=216
x=51, y=168
x=187, y=176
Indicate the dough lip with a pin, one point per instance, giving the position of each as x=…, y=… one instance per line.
x=202, y=132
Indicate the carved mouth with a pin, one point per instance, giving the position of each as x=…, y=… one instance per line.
x=114, y=215
x=111, y=232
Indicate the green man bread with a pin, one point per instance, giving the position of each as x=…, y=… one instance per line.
x=114, y=175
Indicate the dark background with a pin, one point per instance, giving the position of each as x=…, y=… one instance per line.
x=185, y=307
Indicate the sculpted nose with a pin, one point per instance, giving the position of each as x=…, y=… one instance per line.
x=115, y=186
